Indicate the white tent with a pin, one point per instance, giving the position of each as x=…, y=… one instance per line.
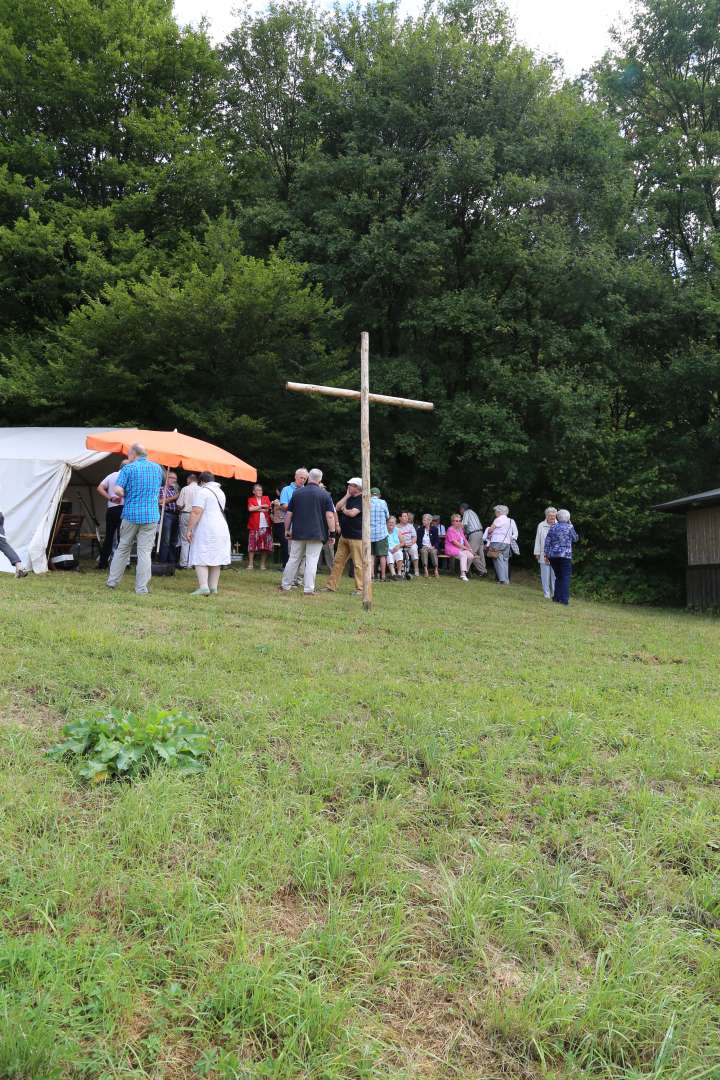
x=39, y=467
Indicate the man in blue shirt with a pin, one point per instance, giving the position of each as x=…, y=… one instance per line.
x=139, y=483
x=379, y=515
x=309, y=520
x=286, y=495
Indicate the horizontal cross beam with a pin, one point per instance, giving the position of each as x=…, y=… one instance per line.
x=378, y=399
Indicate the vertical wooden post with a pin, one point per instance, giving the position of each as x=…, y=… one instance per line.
x=365, y=449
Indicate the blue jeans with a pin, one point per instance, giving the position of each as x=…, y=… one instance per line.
x=169, y=538
x=563, y=572
x=502, y=563
x=547, y=577
x=10, y=553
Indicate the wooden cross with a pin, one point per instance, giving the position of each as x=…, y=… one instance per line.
x=365, y=398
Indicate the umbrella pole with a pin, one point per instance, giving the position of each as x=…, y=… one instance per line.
x=162, y=511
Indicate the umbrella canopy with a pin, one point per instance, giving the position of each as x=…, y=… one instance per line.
x=174, y=450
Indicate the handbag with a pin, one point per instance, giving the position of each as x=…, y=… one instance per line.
x=494, y=552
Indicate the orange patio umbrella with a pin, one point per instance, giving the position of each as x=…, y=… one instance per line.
x=174, y=450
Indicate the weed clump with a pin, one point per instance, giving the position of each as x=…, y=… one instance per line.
x=115, y=745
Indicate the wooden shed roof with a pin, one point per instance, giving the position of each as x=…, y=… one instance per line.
x=691, y=502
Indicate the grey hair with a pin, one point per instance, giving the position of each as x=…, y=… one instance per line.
x=563, y=515
x=550, y=510
x=301, y=468
x=497, y=510
x=138, y=449
x=315, y=475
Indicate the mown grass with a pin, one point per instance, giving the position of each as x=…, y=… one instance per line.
x=472, y=835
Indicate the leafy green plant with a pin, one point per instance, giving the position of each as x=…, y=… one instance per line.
x=117, y=745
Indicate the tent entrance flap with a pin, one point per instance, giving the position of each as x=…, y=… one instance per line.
x=36, y=467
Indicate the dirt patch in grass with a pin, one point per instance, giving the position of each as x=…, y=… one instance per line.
x=429, y=1035
x=30, y=715
x=652, y=659
x=289, y=915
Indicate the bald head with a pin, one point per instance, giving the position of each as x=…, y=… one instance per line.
x=136, y=450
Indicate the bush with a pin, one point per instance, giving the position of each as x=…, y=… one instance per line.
x=116, y=745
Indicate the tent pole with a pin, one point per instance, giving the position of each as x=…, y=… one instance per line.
x=162, y=512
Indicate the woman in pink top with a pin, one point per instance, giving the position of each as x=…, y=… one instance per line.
x=456, y=545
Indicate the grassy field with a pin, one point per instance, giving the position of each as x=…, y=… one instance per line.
x=472, y=835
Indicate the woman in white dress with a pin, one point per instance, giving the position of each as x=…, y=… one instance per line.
x=208, y=534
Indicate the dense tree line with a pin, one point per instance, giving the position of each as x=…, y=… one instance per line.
x=183, y=227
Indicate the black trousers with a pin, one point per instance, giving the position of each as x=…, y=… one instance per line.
x=278, y=531
x=113, y=517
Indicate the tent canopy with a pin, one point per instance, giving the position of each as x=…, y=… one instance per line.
x=36, y=465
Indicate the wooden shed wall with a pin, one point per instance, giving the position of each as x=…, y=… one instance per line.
x=703, y=536
x=703, y=587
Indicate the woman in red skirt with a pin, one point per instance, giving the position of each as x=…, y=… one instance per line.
x=259, y=526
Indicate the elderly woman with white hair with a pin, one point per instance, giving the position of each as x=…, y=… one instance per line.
x=547, y=576
x=500, y=541
x=558, y=554
x=208, y=534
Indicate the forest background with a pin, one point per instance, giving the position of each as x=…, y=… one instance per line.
x=184, y=226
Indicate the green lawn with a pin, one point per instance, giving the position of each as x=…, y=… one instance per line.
x=470, y=835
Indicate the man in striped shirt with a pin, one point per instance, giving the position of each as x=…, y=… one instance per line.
x=139, y=482
x=473, y=531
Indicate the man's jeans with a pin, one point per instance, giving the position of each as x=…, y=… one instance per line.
x=347, y=549
x=563, y=573
x=145, y=535
x=169, y=538
x=281, y=555
x=475, y=541
x=9, y=552
x=113, y=519
x=309, y=550
x=547, y=577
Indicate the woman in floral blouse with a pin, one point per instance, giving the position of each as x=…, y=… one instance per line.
x=558, y=552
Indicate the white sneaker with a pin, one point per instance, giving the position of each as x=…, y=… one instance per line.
x=463, y=577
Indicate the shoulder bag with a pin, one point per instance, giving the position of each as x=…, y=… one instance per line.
x=222, y=508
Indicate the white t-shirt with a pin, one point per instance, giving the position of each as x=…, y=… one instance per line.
x=109, y=483
x=185, y=498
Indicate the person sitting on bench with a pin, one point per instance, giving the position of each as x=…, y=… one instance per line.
x=408, y=540
x=428, y=542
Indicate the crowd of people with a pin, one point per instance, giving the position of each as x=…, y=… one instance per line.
x=148, y=510
x=145, y=506
x=312, y=524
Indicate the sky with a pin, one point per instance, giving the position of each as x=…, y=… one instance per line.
x=574, y=30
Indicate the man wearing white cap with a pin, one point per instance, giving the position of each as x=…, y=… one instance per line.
x=349, y=512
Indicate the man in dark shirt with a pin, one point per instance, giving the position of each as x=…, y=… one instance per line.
x=310, y=517
x=349, y=512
